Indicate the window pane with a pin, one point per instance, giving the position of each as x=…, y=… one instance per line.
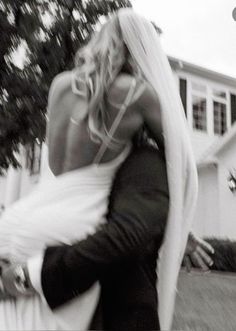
x=220, y=124
x=233, y=107
x=199, y=113
x=198, y=87
x=183, y=93
x=219, y=94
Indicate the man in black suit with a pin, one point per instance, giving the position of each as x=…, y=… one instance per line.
x=121, y=255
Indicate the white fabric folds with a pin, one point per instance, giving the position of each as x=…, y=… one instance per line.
x=61, y=210
x=143, y=43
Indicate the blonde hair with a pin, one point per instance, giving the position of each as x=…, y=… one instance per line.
x=97, y=64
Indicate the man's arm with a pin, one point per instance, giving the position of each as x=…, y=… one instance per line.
x=70, y=270
x=138, y=212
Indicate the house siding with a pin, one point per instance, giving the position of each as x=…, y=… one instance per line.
x=207, y=216
x=227, y=200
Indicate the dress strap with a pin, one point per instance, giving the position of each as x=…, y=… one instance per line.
x=116, y=123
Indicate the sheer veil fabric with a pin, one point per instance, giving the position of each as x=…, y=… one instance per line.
x=143, y=43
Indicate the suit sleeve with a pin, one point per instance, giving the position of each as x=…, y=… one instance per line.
x=137, y=217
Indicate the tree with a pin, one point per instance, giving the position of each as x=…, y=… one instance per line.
x=50, y=32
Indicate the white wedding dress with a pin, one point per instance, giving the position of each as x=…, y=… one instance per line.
x=61, y=210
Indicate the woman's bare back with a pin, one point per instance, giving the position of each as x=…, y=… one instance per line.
x=70, y=144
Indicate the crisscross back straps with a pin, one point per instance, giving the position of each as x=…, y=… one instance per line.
x=116, y=123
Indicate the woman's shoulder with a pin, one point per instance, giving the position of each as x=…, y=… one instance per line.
x=61, y=76
x=59, y=81
x=148, y=97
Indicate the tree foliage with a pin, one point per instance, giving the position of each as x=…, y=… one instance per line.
x=49, y=32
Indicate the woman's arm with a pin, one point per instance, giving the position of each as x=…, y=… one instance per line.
x=54, y=92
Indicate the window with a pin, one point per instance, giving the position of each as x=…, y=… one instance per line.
x=219, y=111
x=233, y=107
x=199, y=106
x=220, y=124
x=211, y=105
x=199, y=113
x=183, y=93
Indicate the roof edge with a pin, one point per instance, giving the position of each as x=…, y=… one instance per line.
x=177, y=63
x=217, y=146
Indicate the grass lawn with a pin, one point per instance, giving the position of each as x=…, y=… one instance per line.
x=206, y=302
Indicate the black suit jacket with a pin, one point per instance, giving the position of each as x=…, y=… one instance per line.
x=122, y=253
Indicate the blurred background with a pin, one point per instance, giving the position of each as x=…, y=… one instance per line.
x=39, y=39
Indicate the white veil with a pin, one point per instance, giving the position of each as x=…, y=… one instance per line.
x=143, y=43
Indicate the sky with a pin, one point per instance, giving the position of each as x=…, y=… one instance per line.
x=202, y=32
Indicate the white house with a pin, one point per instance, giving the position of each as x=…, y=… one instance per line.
x=209, y=100
x=216, y=212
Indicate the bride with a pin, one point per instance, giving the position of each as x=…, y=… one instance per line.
x=121, y=81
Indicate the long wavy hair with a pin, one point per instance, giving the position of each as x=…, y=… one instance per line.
x=97, y=64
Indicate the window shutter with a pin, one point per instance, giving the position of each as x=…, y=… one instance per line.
x=233, y=107
x=183, y=93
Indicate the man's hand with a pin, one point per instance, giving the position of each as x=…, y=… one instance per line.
x=198, y=254
x=4, y=264
x=15, y=281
